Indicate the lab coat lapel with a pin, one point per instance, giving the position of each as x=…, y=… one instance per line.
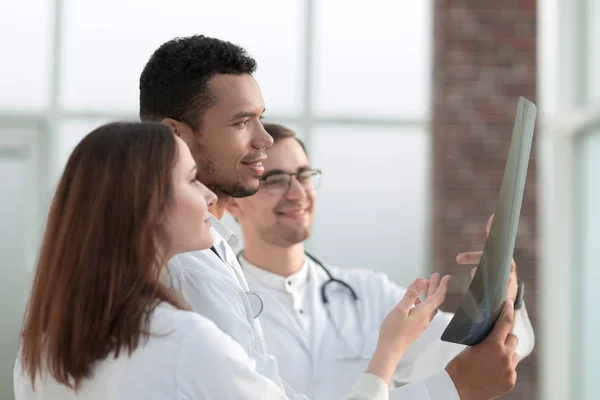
x=319, y=321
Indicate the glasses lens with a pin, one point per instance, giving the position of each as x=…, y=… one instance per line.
x=277, y=184
x=310, y=179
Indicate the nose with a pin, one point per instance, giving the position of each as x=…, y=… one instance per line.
x=211, y=198
x=261, y=138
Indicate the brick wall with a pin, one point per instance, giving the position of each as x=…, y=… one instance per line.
x=485, y=57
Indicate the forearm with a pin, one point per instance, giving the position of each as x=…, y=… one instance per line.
x=384, y=362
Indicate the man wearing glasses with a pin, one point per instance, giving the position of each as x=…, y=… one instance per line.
x=322, y=322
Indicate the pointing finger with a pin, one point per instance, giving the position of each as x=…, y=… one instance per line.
x=469, y=258
x=437, y=298
x=434, y=282
x=412, y=294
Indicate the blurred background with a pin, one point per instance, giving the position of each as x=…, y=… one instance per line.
x=407, y=107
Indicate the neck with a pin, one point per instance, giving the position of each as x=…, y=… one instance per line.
x=218, y=209
x=283, y=261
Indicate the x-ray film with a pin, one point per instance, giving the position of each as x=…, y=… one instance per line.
x=484, y=299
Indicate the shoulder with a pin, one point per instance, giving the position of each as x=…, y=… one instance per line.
x=363, y=277
x=203, y=340
x=186, y=263
x=200, y=269
x=194, y=329
x=168, y=318
x=376, y=288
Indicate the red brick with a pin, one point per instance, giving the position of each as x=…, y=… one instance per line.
x=485, y=58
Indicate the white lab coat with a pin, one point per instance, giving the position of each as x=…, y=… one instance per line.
x=217, y=291
x=308, y=360
x=188, y=358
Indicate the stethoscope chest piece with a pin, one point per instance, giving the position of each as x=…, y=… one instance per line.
x=256, y=303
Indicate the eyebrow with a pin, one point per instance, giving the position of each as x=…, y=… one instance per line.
x=194, y=168
x=246, y=114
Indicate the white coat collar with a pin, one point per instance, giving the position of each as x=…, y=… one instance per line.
x=231, y=239
x=275, y=281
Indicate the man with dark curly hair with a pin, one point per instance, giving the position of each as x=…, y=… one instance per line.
x=204, y=90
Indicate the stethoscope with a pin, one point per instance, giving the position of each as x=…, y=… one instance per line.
x=257, y=307
x=256, y=303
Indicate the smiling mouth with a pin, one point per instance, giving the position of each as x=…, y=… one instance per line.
x=256, y=167
x=254, y=164
x=293, y=213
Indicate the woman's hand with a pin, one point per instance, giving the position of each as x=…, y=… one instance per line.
x=405, y=322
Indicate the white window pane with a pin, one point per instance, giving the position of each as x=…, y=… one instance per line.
x=19, y=222
x=14, y=279
x=69, y=134
x=592, y=52
x=107, y=44
x=548, y=38
x=588, y=237
x=372, y=59
x=25, y=39
x=372, y=203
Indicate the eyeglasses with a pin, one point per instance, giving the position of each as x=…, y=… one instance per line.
x=280, y=183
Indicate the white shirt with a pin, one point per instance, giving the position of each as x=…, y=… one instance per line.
x=290, y=291
x=312, y=364
x=191, y=359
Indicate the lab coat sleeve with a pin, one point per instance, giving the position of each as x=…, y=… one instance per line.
x=211, y=365
x=436, y=387
x=369, y=387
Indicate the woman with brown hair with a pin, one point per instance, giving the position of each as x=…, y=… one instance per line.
x=102, y=322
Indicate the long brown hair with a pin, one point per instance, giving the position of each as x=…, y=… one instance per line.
x=98, y=273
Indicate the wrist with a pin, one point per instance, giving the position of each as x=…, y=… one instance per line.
x=462, y=387
x=384, y=362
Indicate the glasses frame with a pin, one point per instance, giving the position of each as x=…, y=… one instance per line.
x=314, y=172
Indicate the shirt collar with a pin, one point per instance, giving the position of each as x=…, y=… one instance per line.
x=231, y=239
x=275, y=281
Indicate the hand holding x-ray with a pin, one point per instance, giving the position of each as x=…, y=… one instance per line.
x=474, y=258
x=483, y=301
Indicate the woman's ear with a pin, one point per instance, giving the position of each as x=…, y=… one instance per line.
x=235, y=208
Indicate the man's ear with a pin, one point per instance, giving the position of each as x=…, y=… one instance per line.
x=181, y=129
x=235, y=208
x=173, y=124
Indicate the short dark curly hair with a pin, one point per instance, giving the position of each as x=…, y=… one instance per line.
x=174, y=82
